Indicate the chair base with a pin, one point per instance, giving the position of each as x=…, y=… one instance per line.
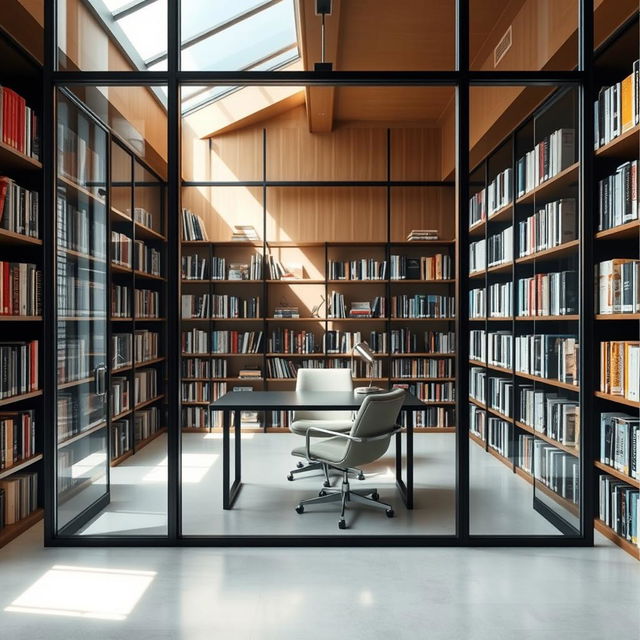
x=344, y=495
x=303, y=467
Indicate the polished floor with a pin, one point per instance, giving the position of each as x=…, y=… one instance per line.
x=500, y=501
x=292, y=593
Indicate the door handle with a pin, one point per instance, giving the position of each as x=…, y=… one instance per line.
x=100, y=377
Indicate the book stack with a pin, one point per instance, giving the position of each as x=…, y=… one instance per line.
x=241, y=270
x=548, y=294
x=620, y=442
x=18, y=124
x=363, y=269
x=18, y=368
x=250, y=374
x=617, y=108
x=477, y=256
x=553, y=154
x=193, y=228
x=286, y=312
x=17, y=437
x=244, y=233
x=549, y=356
x=121, y=249
x=620, y=369
x=147, y=259
x=620, y=508
x=366, y=309
x=20, y=289
x=618, y=197
x=618, y=286
x=421, y=235
x=550, y=414
x=143, y=217
x=549, y=227
x=18, y=208
x=20, y=496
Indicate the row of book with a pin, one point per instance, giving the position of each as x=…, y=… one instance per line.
x=478, y=255
x=204, y=368
x=407, y=341
x=79, y=296
x=478, y=207
x=291, y=341
x=146, y=422
x=77, y=412
x=620, y=442
x=345, y=341
x=219, y=306
x=18, y=368
x=145, y=345
x=478, y=422
x=618, y=197
x=549, y=356
x=499, y=435
x=551, y=414
x=362, y=269
x=500, y=247
x=20, y=289
x=550, y=226
x=499, y=349
x=556, y=469
x=18, y=497
x=146, y=259
x=19, y=208
x=617, y=108
x=146, y=303
x=478, y=384
x=618, y=286
x=78, y=160
x=423, y=306
x=121, y=249
x=500, y=191
x=145, y=385
x=120, y=395
x=500, y=395
x=500, y=299
x=18, y=123
x=548, y=294
x=620, y=369
x=193, y=227
x=196, y=341
x=277, y=270
x=377, y=308
x=121, y=345
x=478, y=345
x=73, y=359
x=436, y=267
x=422, y=368
x=619, y=507
x=195, y=267
x=551, y=155
x=196, y=392
x=79, y=228
x=142, y=216
x=121, y=438
x=120, y=301
x=430, y=391
x=17, y=437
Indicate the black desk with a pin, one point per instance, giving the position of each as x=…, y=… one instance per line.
x=237, y=401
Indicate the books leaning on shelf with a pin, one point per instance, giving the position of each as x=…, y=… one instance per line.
x=620, y=369
x=423, y=306
x=618, y=286
x=193, y=228
x=422, y=368
x=555, y=357
x=195, y=267
x=17, y=437
x=239, y=270
x=121, y=249
x=244, y=233
x=20, y=493
x=277, y=270
x=421, y=235
x=196, y=341
x=617, y=108
x=619, y=508
x=363, y=269
x=20, y=289
x=549, y=227
x=499, y=192
x=620, y=442
x=219, y=306
x=142, y=216
x=18, y=368
x=146, y=259
x=437, y=267
x=548, y=294
x=146, y=303
x=477, y=256
x=549, y=157
x=18, y=208
x=500, y=247
x=18, y=124
x=551, y=414
x=287, y=369
x=478, y=207
x=618, y=197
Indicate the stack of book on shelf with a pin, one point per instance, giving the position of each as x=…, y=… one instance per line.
x=193, y=228
x=20, y=493
x=19, y=366
x=499, y=192
x=276, y=270
x=619, y=508
x=286, y=312
x=244, y=233
x=17, y=437
x=417, y=235
x=363, y=269
x=423, y=306
x=18, y=208
x=366, y=309
x=549, y=356
x=249, y=374
x=620, y=369
x=618, y=196
x=550, y=414
x=553, y=154
x=617, y=108
x=548, y=294
x=20, y=289
x=121, y=249
x=618, y=286
x=620, y=443
x=142, y=216
x=18, y=123
x=549, y=227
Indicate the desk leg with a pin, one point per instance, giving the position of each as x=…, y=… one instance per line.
x=230, y=491
x=406, y=490
x=238, y=452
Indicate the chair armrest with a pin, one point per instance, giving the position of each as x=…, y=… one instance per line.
x=397, y=428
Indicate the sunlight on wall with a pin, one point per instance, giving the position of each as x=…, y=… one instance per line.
x=84, y=592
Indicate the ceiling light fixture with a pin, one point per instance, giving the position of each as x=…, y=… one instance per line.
x=323, y=8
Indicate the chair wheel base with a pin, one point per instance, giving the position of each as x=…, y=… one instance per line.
x=290, y=477
x=342, y=524
x=326, y=483
x=300, y=465
x=375, y=496
x=361, y=476
x=300, y=509
x=390, y=513
x=322, y=493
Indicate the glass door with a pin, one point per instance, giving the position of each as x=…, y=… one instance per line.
x=81, y=330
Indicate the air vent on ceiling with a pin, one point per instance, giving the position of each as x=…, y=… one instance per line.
x=502, y=47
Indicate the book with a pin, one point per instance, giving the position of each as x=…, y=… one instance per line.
x=19, y=208
x=193, y=228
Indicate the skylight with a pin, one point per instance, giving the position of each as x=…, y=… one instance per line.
x=217, y=35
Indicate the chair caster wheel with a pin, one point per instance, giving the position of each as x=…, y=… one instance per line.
x=326, y=483
x=375, y=496
x=342, y=524
x=361, y=476
x=290, y=477
x=300, y=509
x=300, y=465
x=390, y=513
x=322, y=493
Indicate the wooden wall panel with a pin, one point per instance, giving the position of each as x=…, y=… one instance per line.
x=312, y=214
x=237, y=155
x=422, y=208
x=230, y=206
x=415, y=154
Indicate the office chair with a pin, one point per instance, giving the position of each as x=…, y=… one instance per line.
x=332, y=421
x=367, y=441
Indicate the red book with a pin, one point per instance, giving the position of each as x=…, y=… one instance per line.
x=22, y=108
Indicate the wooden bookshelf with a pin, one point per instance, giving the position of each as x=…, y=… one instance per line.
x=552, y=188
x=621, y=232
x=632, y=549
x=19, y=239
x=618, y=399
x=634, y=482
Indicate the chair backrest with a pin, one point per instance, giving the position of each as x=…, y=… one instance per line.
x=378, y=415
x=323, y=380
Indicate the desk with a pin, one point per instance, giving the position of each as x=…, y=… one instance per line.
x=237, y=401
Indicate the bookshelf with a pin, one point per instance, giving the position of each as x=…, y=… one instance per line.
x=21, y=317
x=523, y=305
x=616, y=229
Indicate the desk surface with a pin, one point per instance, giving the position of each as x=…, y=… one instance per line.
x=280, y=400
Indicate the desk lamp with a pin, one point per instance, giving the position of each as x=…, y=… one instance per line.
x=366, y=354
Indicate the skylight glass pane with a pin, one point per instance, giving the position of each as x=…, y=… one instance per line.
x=198, y=15
x=116, y=5
x=244, y=43
x=212, y=94
x=146, y=28
x=288, y=56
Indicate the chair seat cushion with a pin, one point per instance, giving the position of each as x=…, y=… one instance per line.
x=329, y=449
x=302, y=426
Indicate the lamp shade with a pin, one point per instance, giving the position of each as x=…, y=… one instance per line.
x=365, y=352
